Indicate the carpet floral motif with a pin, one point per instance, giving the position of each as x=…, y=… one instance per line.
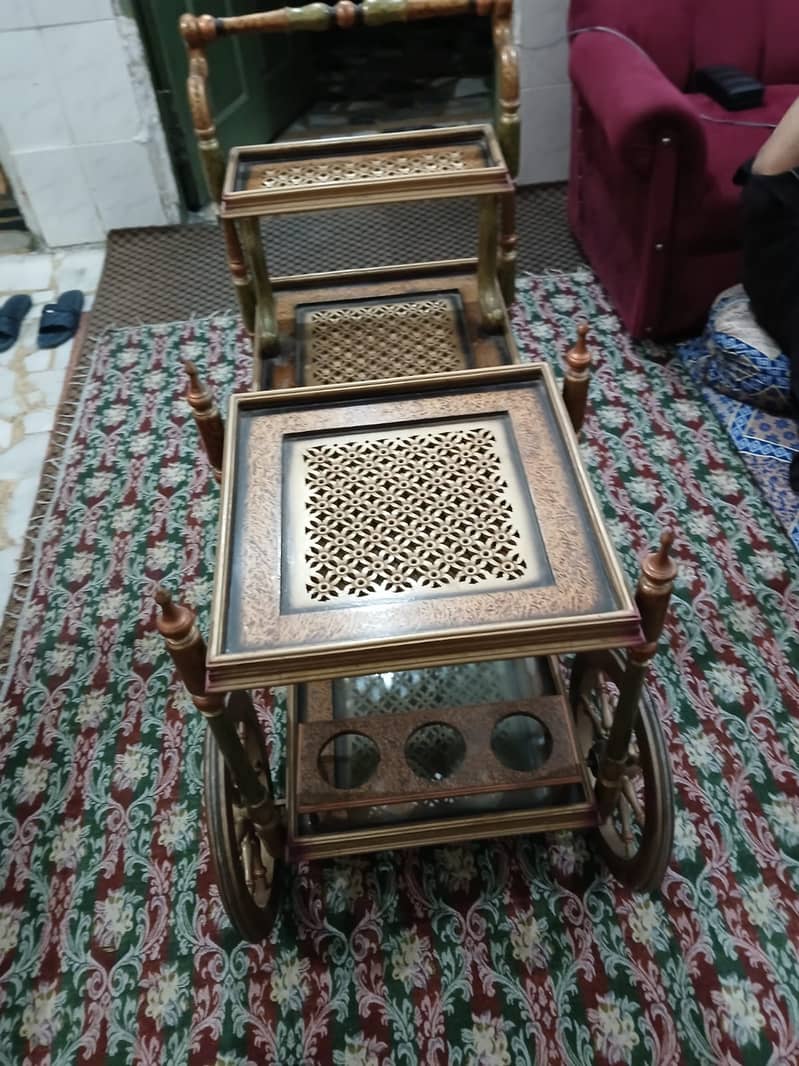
x=113, y=944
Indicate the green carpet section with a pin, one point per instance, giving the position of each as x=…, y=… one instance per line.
x=113, y=944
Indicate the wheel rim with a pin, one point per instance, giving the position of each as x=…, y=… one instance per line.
x=625, y=830
x=247, y=876
x=258, y=866
x=636, y=838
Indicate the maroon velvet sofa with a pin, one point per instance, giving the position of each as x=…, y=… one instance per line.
x=651, y=197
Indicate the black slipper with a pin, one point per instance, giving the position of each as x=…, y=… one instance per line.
x=11, y=315
x=59, y=322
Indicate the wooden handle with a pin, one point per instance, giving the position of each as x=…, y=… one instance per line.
x=200, y=30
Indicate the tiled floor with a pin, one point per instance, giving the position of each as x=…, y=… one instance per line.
x=31, y=381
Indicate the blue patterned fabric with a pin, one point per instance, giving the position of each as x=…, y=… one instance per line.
x=767, y=441
x=739, y=359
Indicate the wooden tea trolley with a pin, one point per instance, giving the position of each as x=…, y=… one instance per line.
x=411, y=557
x=408, y=540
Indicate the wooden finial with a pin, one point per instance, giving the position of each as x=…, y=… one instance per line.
x=658, y=566
x=209, y=421
x=658, y=571
x=576, y=378
x=174, y=622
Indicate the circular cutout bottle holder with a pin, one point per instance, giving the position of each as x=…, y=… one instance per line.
x=435, y=750
x=348, y=760
x=521, y=742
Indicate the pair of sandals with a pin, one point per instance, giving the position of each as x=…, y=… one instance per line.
x=59, y=322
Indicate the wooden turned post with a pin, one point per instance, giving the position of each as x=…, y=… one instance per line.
x=652, y=597
x=245, y=291
x=507, y=247
x=206, y=415
x=492, y=308
x=576, y=379
x=658, y=571
x=177, y=625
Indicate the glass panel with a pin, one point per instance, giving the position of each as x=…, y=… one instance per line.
x=405, y=691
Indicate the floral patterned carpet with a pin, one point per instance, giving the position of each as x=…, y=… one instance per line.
x=113, y=946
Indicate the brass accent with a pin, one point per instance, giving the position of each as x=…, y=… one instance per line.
x=364, y=340
x=426, y=631
x=406, y=512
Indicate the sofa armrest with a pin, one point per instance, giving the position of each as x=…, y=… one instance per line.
x=634, y=103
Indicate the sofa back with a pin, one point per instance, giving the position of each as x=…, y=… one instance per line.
x=759, y=36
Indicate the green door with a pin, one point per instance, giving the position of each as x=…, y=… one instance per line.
x=258, y=84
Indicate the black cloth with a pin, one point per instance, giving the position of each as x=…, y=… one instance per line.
x=771, y=264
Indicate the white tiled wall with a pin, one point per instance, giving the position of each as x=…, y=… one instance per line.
x=545, y=91
x=80, y=136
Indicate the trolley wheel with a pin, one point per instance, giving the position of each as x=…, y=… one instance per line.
x=636, y=840
x=248, y=877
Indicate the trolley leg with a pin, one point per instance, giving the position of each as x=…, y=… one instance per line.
x=206, y=415
x=576, y=379
x=265, y=320
x=245, y=293
x=177, y=625
x=652, y=596
x=492, y=311
x=507, y=247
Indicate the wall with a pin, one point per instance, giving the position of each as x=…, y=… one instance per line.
x=545, y=92
x=80, y=135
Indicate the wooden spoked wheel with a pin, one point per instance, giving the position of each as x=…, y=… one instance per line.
x=247, y=876
x=636, y=840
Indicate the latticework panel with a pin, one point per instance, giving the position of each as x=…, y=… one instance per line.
x=336, y=170
x=424, y=509
x=368, y=340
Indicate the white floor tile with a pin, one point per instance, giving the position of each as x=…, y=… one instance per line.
x=6, y=433
x=25, y=458
x=38, y=360
x=40, y=421
x=20, y=507
x=7, y=379
x=25, y=272
x=62, y=355
x=46, y=388
x=79, y=269
x=10, y=406
x=9, y=558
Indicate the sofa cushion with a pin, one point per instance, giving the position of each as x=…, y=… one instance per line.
x=740, y=359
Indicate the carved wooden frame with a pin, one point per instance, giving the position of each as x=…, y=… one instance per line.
x=433, y=646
